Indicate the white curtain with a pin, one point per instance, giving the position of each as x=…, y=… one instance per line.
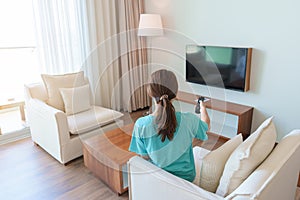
x=100, y=38
x=62, y=38
x=117, y=62
x=99, y=66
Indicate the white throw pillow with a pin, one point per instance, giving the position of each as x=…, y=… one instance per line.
x=76, y=99
x=199, y=154
x=54, y=82
x=247, y=156
x=214, y=162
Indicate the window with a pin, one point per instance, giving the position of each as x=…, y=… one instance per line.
x=18, y=59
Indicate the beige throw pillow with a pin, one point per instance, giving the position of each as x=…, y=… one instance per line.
x=54, y=82
x=246, y=157
x=76, y=99
x=214, y=162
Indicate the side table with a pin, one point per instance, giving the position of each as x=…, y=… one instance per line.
x=106, y=155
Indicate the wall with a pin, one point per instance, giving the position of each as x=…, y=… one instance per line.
x=270, y=27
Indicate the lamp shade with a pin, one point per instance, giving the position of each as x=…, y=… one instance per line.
x=150, y=25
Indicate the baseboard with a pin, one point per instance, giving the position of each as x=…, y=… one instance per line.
x=14, y=136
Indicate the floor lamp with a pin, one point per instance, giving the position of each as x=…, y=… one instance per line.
x=150, y=26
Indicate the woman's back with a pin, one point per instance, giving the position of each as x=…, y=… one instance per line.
x=166, y=136
x=174, y=156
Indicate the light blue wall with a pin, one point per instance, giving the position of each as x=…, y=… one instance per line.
x=270, y=27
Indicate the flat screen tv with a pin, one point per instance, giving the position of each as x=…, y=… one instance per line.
x=226, y=67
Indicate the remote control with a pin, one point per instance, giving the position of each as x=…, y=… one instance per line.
x=197, y=108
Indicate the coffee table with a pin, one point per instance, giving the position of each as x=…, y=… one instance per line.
x=106, y=155
x=14, y=103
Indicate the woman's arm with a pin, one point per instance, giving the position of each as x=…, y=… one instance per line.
x=204, y=115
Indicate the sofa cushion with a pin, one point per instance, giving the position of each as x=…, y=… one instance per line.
x=54, y=82
x=76, y=99
x=91, y=119
x=247, y=156
x=214, y=162
x=199, y=153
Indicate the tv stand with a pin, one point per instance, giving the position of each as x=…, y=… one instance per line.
x=244, y=113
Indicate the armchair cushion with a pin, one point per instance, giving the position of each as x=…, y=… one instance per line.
x=54, y=82
x=247, y=156
x=91, y=119
x=76, y=99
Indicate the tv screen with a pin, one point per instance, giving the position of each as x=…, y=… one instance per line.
x=226, y=67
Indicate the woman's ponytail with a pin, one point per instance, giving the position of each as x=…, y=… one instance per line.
x=163, y=87
x=166, y=119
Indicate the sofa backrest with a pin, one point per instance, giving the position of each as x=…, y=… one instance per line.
x=277, y=176
x=38, y=91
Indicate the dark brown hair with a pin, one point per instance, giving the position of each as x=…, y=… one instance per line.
x=163, y=88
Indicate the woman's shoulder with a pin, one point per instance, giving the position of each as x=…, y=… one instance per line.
x=144, y=121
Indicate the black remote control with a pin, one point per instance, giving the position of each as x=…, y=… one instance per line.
x=197, y=108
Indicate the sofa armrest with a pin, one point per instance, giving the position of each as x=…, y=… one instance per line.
x=47, y=122
x=277, y=176
x=146, y=181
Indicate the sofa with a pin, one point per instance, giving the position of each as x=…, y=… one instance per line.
x=275, y=178
x=60, y=131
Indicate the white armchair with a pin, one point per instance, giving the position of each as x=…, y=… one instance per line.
x=60, y=134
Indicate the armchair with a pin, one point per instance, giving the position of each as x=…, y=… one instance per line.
x=60, y=134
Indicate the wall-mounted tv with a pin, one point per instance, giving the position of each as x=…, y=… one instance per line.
x=226, y=67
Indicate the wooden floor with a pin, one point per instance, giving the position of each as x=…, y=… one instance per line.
x=28, y=172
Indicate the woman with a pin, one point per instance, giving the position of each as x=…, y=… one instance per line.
x=165, y=137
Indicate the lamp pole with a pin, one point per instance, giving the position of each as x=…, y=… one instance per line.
x=150, y=25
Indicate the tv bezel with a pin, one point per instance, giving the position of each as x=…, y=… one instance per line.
x=247, y=70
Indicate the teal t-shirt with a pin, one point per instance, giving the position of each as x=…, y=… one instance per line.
x=175, y=156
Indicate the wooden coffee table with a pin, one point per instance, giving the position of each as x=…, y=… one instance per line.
x=106, y=155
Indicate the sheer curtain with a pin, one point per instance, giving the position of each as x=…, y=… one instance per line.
x=62, y=38
x=117, y=62
x=100, y=38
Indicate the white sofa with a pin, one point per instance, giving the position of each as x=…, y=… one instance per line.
x=276, y=178
x=51, y=128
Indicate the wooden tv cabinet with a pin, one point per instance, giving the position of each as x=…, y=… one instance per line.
x=243, y=113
